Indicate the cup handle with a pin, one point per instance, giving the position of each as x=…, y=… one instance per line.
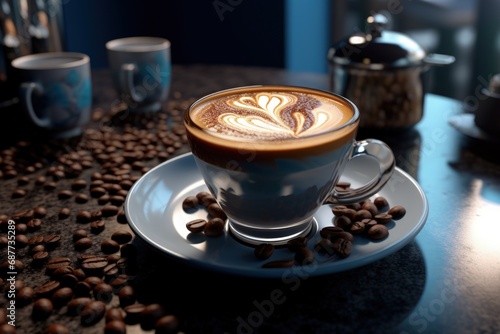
x=386, y=161
x=127, y=82
x=27, y=90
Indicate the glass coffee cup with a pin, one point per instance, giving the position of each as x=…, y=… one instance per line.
x=272, y=155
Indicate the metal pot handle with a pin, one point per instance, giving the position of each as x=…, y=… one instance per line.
x=437, y=59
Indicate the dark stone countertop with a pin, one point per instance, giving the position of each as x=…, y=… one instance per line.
x=445, y=281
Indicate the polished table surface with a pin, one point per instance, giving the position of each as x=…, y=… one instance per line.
x=447, y=280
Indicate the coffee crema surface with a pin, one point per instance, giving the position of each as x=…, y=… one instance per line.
x=266, y=115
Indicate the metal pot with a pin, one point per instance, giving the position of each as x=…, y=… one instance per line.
x=382, y=72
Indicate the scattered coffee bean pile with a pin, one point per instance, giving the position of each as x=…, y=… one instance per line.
x=368, y=219
x=74, y=255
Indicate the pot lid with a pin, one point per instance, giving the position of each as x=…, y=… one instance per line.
x=378, y=48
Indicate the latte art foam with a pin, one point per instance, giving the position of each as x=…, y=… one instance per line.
x=269, y=115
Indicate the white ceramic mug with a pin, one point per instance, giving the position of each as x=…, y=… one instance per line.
x=56, y=91
x=141, y=70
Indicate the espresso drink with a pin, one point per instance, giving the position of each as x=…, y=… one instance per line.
x=271, y=155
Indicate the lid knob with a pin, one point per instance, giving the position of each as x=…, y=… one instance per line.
x=377, y=23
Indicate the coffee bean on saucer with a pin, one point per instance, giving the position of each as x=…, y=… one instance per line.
x=56, y=329
x=168, y=324
x=343, y=222
x=264, y=251
x=343, y=185
x=190, y=203
x=378, y=232
x=342, y=247
x=357, y=227
x=215, y=211
x=304, y=256
x=362, y=214
x=279, y=264
x=383, y=218
x=381, y=202
x=370, y=206
x=296, y=243
x=42, y=309
x=214, y=227
x=324, y=246
x=397, y=212
x=196, y=225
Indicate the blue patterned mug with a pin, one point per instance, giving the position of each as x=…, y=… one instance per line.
x=141, y=71
x=56, y=91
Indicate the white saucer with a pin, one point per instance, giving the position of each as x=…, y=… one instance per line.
x=154, y=211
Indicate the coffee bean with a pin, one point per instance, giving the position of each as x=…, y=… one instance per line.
x=304, y=256
x=343, y=222
x=79, y=234
x=7, y=329
x=109, y=246
x=113, y=258
x=76, y=305
x=78, y=184
x=21, y=240
x=6, y=266
x=324, y=246
x=69, y=280
x=97, y=226
x=378, y=232
x=47, y=289
x=196, y=225
x=56, y=329
x=24, y=296
x=369, y=223
x=83, y=244
x=114, y=314
x=81, y=198
x=40, y=257
x=109, y=210
x=34, y=225
x=357, y=227
x=342, y=247
x=95, y=215
x=370, y=206
x=296, y=243
x=330, y=232
x=168, y=324
x=19, y=193
x=264, y=251
x=121, y=218
x=117, y=200
x=383, y=218
x=343, y=185
x=133, y=313
x=97, y=192
x=190, y=203
x=150, y=314
x=397, y=212
x=103, y=292
x=205, y=197
x=214, y=227
x=362, y=214
x=93, y=281
x=92, y=313
x=380, y=202
x=115, y=327
x=49, y=185
x=121, y=237
x=42, y=309
x=126, y=296
x=215, y=211
x=80, y=274
x=279, y=264
x=65, y=194
x=62, y=296
x=57, y=263
x=119, y=282
x=83, y=217
x=82, y=289
x=64, y=213
x=94, y=266
x=21, y=228
x=60, y=272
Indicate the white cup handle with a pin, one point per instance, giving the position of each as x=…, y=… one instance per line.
x=127, y=81
x=385, y=157
x=27, y=91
